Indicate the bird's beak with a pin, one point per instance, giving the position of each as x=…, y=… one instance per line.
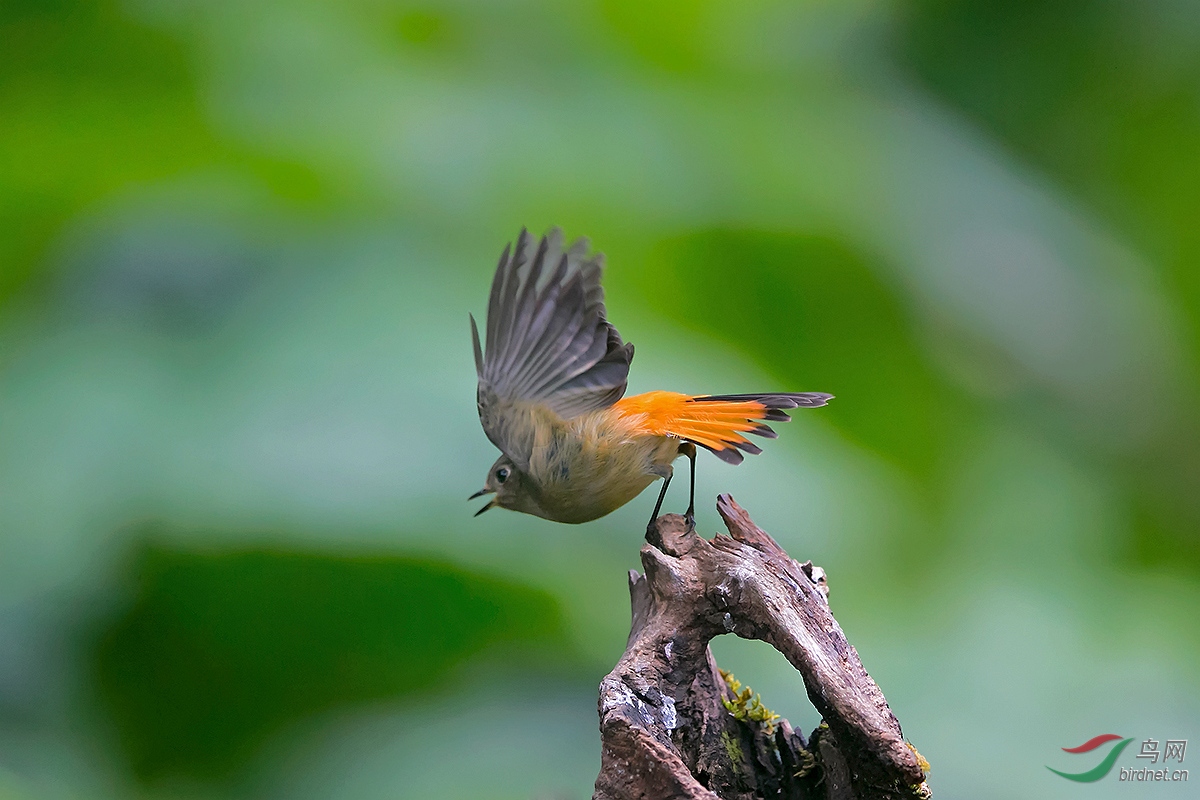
x=481, y=493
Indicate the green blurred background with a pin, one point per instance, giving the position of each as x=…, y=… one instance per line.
x=238, y=245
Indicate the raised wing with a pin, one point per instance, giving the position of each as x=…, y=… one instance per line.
x=550, y=350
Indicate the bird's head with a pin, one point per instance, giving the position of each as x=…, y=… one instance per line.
x=510, y=487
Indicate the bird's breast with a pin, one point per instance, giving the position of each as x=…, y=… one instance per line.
x=594, y=467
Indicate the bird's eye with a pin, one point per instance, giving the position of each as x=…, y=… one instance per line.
x=502, y=474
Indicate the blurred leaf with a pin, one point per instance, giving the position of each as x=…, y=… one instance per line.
x=424, y=28
x=93, y=101
x=813, y=313
x=220, y=650
x=1102, y=97
x=664, y=34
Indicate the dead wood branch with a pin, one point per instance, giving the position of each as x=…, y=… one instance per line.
x=667, y=730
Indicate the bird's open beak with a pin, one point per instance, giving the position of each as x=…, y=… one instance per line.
x=481, y=493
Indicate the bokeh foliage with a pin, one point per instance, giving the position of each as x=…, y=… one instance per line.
x=238, y=243
x=220, y=650
x=1100, y=97
x=834, y=322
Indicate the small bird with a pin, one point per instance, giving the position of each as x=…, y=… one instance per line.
x=551, y=386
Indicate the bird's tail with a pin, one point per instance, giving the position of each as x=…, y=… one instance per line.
x=718, y=423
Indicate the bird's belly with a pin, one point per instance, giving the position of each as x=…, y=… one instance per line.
x=585, y=501
x=596, y=483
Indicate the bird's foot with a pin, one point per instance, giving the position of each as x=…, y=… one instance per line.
x=690, y=520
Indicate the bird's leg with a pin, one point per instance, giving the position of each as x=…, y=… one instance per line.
x=689, y=450
x=666, y=476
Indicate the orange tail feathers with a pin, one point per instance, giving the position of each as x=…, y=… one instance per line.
x=715, y=422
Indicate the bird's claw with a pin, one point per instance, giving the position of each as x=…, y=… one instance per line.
x=690, y=520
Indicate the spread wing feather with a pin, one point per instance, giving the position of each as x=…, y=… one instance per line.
x=550, y=348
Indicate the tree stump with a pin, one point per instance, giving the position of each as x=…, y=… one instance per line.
x=671, y=726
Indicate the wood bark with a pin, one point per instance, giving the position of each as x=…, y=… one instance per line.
x=667, y=730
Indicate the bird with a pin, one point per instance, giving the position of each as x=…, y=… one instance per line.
x=551, y=396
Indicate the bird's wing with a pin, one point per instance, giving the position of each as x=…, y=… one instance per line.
x=716, y=422
x=550, y=349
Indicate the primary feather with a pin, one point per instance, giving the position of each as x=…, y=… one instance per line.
x=551, y=351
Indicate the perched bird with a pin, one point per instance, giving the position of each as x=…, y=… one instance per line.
x=551, y=386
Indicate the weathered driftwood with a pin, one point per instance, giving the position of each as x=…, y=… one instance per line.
x=667, y=730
